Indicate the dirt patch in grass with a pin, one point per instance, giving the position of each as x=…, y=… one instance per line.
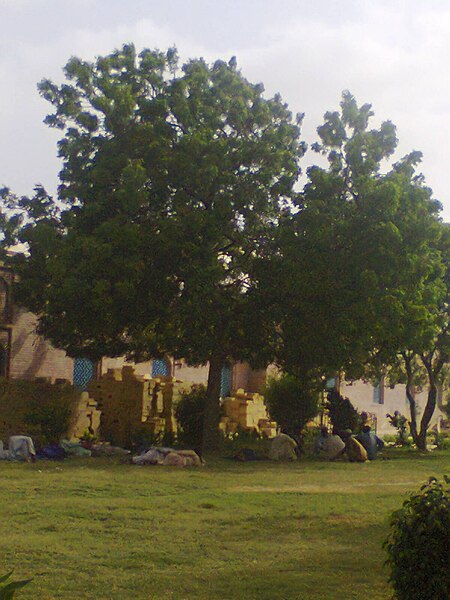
x=306, y=488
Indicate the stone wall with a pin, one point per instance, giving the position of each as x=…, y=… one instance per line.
x=31, y=355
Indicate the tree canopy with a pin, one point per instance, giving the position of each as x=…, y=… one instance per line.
x=361, y=256
x=178, y=229
x=173, y=179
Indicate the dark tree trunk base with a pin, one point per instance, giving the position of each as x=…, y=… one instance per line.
x=211, y=432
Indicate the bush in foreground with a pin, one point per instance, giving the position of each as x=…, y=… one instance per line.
x=418, y=545
x=8, y=589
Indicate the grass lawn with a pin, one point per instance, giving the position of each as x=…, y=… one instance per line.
x=100, y=529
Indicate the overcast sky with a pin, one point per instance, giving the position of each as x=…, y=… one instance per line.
x=394, y=54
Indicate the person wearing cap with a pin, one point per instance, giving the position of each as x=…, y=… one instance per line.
x=354, y=450
x=370, y=441
x=328, y=446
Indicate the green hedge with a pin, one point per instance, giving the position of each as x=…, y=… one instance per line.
x=43, y=411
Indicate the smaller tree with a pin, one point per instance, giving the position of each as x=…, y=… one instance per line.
x=189, y=414
x=292, y=402
x=417, y=545
x=343, y=414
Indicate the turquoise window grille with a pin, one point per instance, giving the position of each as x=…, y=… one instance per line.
x=225, y=381
x=83, y=372
x=160, y=367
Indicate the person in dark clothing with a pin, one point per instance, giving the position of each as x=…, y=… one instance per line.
x=370, y=441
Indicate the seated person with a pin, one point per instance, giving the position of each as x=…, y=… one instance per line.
x=354, y=450
x=20, y=447
x=329, y=446
x=283, y=447
x=370, y=441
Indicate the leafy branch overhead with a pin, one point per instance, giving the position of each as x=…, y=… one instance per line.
x=178, y=229
x=172, y=183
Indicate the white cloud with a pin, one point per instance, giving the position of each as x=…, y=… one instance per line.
x=392, y=54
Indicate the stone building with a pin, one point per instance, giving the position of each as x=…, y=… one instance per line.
x=26, y=355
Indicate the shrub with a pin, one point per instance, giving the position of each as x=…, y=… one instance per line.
x=417, y=545
x=292, y=402
x=245, y=439
x=42, y=410
x=189, y=414
x=343, y=415
x=399, y=421
x=8, y=590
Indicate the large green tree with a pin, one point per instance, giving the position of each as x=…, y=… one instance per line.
x=173, y=179
x=362, y=269
x=424, y=358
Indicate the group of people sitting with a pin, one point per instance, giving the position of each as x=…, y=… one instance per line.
x=359, y=448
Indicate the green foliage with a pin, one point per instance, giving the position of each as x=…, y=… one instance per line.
x=417, y=545
x=309, y=439
x=292, y=402
x=244, y=439
x=361, y=259
x=143, y=437
x=343, y=414
x=399, y=421
x=41, y=410
x=173, y=179
x=330, y=502
x=8, y=590
x=189, y=414
x=52, y=413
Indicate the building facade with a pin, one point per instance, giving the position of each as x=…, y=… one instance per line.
x=26, y=355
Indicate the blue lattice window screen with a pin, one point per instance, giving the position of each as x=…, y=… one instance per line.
x=376, y=394
x=225, y=382
x=331, y=383
x=83, y=372
x=160, y=366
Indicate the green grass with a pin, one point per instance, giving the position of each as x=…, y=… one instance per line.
x=99, y=529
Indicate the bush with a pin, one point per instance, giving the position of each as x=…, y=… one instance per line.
x=292, y=402
x=417, y=545
x=343, y=415
x=244, y=439
x=189, y=414
x=41, y=410
x=399, y=422
x=8, y=590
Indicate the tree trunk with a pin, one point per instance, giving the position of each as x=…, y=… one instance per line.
x=211, y=433
x=430, y=405
x=411, y=400
x=426, y=417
